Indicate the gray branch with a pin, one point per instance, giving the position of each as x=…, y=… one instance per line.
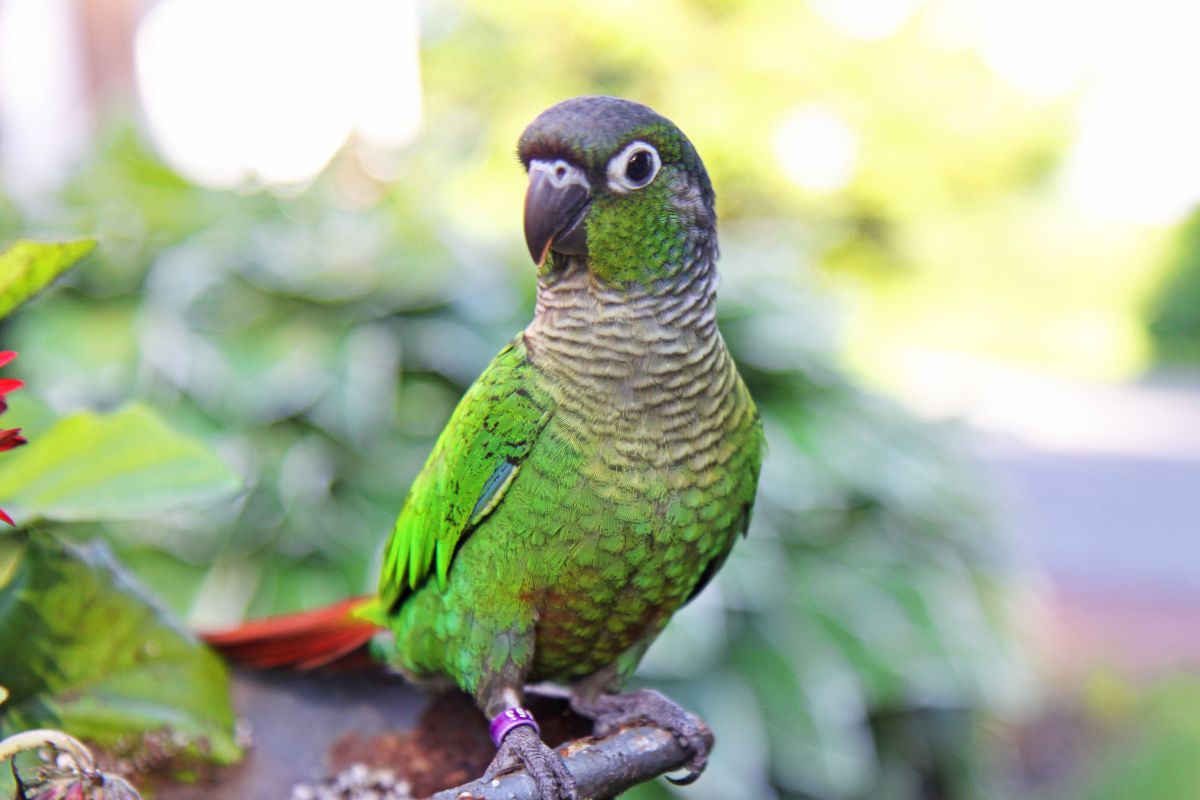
x=601, y=768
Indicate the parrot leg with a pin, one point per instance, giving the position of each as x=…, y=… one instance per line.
x=522, y=747
x=614, y=711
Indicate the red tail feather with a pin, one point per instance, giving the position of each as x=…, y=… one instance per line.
x=323, y=637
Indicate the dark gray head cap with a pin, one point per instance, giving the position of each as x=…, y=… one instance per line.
x=591, y=129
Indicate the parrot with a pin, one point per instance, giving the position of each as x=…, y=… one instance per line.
x=594, y=477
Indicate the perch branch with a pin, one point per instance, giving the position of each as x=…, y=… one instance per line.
x=602, y=768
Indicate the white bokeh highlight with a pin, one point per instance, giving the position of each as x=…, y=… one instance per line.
x=1132, y=68
x=816, y=149
x=267, y=91
x=866, y=19
x=44, y=115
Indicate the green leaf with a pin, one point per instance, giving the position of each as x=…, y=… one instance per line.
x=110, y=466
x=27, y=267
x=83, y=648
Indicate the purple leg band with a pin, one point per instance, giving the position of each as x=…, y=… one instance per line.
x=505, y=721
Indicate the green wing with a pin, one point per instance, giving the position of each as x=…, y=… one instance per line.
x=475, y=460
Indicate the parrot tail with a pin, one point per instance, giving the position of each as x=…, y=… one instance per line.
x=333, y=636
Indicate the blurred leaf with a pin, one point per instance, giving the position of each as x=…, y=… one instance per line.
x=111, y=466
x=82, y=647
x=27, y=267
x=91, y=342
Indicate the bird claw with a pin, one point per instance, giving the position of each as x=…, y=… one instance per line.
x=523, y=748
x=614, y=711
x=692, y=776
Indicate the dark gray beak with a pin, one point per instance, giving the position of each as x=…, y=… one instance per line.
x=555, y=206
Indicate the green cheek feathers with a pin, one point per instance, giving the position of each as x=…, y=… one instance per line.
x=637, y=237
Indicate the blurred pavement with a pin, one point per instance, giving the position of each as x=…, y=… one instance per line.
x=1101, y=487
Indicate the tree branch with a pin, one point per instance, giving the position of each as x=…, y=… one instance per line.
x=602, y=768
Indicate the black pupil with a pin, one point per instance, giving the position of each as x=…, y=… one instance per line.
x=639, y=166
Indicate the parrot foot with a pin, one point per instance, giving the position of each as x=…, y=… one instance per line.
x=614, y=711
x=522, y=747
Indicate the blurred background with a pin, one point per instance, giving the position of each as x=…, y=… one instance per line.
x=961, y=272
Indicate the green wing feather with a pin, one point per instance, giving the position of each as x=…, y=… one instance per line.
x=475, y=460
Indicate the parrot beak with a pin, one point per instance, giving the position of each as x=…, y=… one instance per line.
x=555, y=206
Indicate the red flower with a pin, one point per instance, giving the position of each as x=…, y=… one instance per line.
x=12, y=437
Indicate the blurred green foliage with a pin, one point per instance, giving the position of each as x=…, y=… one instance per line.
x=1175, y=312
x=1146, y=738
x=321, y=337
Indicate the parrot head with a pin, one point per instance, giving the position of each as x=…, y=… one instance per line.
x=616, y=184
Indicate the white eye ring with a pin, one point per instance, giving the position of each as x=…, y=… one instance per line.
x=619, y=180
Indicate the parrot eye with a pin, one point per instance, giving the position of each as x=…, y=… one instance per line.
x=633, y=168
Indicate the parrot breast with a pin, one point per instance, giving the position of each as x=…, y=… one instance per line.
x=660, y=437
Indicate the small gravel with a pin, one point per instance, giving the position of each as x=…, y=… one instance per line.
x=356, y=782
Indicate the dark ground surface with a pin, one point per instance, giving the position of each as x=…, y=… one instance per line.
x=306, y=726
x=294, y=720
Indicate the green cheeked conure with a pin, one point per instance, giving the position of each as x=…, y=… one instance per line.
x=595, y=476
